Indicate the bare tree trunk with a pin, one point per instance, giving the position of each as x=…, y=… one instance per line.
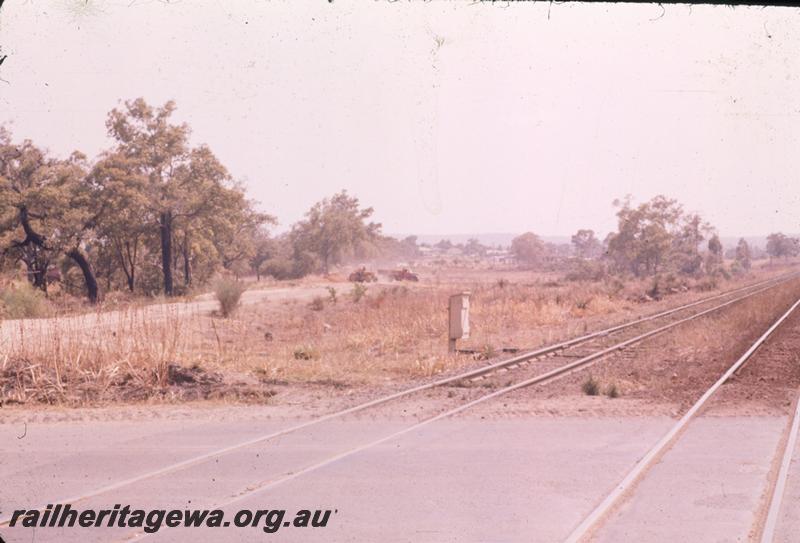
x=187, y=260
x=36, y=266
x=128, y=261
x=165, y=222
x=131, y=276
x=33, y=246
x=88, y=274
x=37, y=274
x=132, y=260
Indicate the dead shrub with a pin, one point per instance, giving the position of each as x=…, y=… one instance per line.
x=615, y=286
x=306, y=352
x=377, y=301
x=22, y=301
x=229, y=294
x=655, y=290
x=612, y=391
x=487, y=352
x=591, y=387
x=707, y=284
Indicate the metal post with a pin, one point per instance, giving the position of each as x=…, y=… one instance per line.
x=451, y=345
x=458, y=322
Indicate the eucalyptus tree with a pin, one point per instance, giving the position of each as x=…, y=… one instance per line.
x=333, y=228
x=127, y=221
x=48, y=209
x=528, y=249
x=236, y=229
x=743, y=255
x=715, y=255
x=781, y=245
x=154, y=153
x=651, y=229
x=22, y=167
x=183, y=189
x=586, y=244
x=688, y=239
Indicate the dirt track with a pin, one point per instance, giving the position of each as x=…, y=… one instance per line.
x=12, y=331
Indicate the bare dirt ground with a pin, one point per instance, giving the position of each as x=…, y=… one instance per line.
x=770, y=380
x=668, y=373
x=395, y=335
x=660, y=377
x=552, y=450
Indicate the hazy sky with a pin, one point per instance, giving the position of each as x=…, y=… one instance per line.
x=445, y=117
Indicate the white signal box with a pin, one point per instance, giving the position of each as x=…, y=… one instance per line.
x=459, y=318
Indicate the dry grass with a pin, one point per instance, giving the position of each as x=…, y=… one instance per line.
x=20, y=300
x=676, y=368
x=84, y=356
x=392, y=333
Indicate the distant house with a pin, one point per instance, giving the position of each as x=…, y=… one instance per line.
x=500, y=256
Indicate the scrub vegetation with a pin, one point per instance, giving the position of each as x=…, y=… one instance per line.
x=108, y=266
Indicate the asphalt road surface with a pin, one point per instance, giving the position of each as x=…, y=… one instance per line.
x=524, y=478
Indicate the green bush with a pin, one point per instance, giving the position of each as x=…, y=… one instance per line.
x=304, y=263
x=279, y=268
x=317, y=304
x=229, y=295
x=586, y=270
x=358, y=292
x=706, y=285
x=332, y=295
x=22, y=301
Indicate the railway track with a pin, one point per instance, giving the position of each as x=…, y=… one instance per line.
x=535, y=367
x=777, y=499
x=593, y=523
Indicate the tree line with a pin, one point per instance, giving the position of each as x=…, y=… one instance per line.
x=155, y=214
x=655, y=237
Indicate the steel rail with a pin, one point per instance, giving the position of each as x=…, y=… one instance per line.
x=600, y=333
x=177, y=466
x=539, y=379
x=771, y=524
x=590, y=523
